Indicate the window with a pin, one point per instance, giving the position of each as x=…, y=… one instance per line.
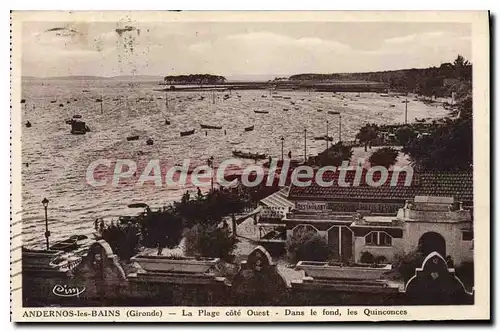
x=467, y=236
x=381, y=239
x=371, y=239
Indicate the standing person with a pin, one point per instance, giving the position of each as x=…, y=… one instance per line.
x=289, y=154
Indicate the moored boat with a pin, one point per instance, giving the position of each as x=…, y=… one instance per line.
x=319, y=110
x=187, y=133
x=261, y=112
x=149, y=141
x=167, y=122
x=323, y=138
x=249, y=155
x=286, y=109
x=249, y=128
x=79, y=127
x=210, y=127
x=27, y=124
x=333, y=112
x=65, y=245
x=133, y=138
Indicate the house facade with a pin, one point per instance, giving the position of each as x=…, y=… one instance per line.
x=433, y=213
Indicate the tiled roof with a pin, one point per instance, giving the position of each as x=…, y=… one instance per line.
x=453, y=184
x=278, y=199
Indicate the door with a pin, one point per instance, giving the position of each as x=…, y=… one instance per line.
x=340, y=240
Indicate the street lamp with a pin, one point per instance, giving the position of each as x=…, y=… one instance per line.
x=327, y=138
x=45, y=203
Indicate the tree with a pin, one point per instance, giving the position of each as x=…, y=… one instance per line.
x=448, y=147
x=123, y=239
x=307, y=245
x=384, y=157
x=333, y=156
x=210, y=241
x=161, y=228
x=367, y=134
x=405, y=134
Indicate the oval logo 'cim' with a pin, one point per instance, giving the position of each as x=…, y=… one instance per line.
x=65, y=291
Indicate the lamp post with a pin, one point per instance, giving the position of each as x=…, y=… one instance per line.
x=45, y=203
x=305, y=146
x=210, y=163
x=282, y=142
x=340, y=128
x=326, y=138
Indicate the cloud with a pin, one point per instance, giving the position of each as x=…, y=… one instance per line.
x=231, y=49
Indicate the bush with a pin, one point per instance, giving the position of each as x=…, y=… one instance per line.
x=406, y=264
x=123, y=239
x=384, y=157
x=210, y=241
x=367, y=257
x=161, y=227
x=307, y=245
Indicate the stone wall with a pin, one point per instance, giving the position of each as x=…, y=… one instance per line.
x=258, y=282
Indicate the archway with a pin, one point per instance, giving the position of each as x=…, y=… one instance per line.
x=432, y=241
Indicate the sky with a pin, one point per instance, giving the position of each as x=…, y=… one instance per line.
x=236, y=49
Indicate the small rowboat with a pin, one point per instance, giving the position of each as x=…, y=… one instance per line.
x=248, y=155
x=133, y=138
x=167, y=122
x=149, y=141
x=249, y=128
x=333, y=112
x=77, y=116
x=137, y=205
x=261, y=112
x=319, y=110
x=187, y=133
x=323, y=138
x=27, y=124
x=210, y=127
x=66, y=245
x=286, y=109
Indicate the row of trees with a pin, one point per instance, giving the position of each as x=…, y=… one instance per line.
x=198, y=79
x=434, y=81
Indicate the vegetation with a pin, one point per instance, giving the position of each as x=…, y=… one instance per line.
x=406, y=264
x=201, y=216
x=368, y=258
x=367, y=134
x=333, y=156
x=161, y=228
x=405, y=134
x=198, y=79
x=384, y=157
x=210, y=241
x=123, y=239
x=307, y=245
x=434, y=81
x=448, y=147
